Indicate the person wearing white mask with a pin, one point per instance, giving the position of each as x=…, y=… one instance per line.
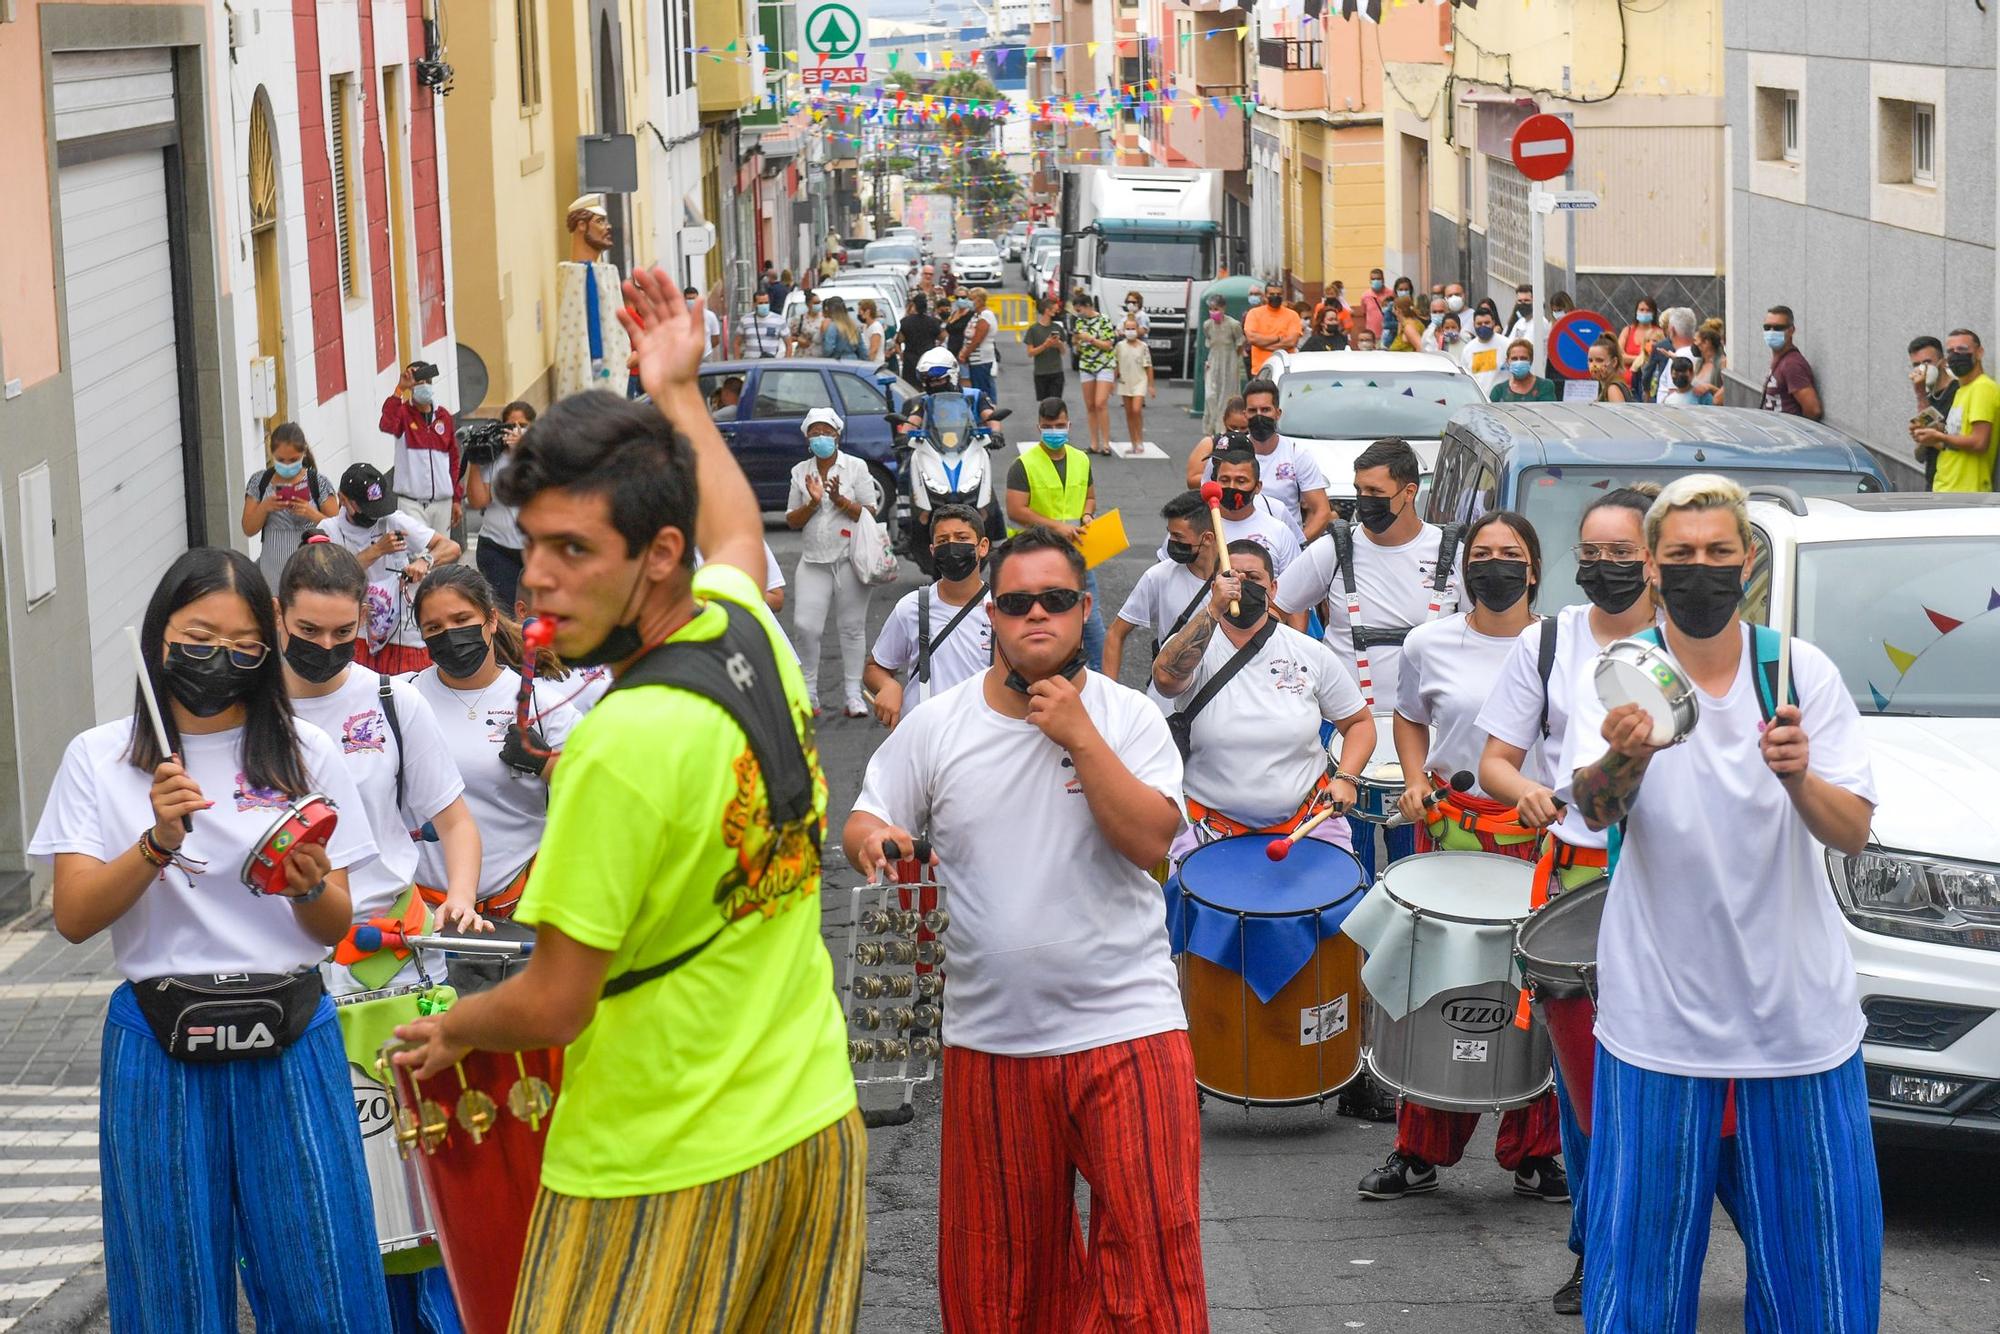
x=830, y=491
x=429, y=479
x=762, y=336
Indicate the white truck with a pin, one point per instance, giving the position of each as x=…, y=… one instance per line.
x=1151, y=230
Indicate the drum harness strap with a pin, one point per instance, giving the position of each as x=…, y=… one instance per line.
x=925, y=644
x=388, y=699
x=1222, y=826
x=1181, y=721
x=1367, y=637
x=738, y=672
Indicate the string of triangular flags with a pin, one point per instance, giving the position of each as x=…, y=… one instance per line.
x=744, y=52
x=1903, y=659
x=892, y=106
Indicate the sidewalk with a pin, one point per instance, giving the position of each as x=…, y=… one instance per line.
x=52, y=998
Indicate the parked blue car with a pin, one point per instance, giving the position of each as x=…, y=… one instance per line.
x=765, y=425
x=1550, y=460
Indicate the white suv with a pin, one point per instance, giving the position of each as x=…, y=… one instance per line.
x=1898, y=588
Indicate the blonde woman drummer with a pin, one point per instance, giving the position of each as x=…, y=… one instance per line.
x=1449, y=665
x=1526, y=721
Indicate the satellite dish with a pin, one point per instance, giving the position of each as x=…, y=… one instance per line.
x=473, y=380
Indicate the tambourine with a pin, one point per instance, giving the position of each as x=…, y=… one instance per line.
x=310, y=819
x=1633, y=671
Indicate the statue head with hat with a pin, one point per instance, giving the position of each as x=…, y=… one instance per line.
x=589, y=228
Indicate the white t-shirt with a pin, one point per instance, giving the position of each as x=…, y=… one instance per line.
x=1722, y=953
x=500, y=524
x=873, y=330
x=1286, y=472
x=1486, y=362
x=710, y=348
x=825, y=540
x=1161, y=595
x=988, y=349
x=392, y=614
x=207, y=922
x=510, y=808
x=1057, y=943
x=1394, y=585
x=1513, y=709
x=1265, y=525
x=352, y=716
x=1256, y=748
x=967, y=653
x=1448, y=668
x=938, y=476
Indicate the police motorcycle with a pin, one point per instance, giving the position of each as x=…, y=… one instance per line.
x=942, y=447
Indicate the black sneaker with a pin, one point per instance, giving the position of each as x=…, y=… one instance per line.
x=1397, y=1177
x=1569, y=1297
x=1542, y=1179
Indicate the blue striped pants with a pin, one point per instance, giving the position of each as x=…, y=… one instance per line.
x=1798, y=1178
x=250, y=1168
x=1576, y=1162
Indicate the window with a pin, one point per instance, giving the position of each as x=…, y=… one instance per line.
x=783, y=394
x=858, y=397
x=1923, y=144
x=1780, y=127
x=339, y=94
x=1790, y=144
x=1906, y=143
x=528, y=52
x=1909, y=143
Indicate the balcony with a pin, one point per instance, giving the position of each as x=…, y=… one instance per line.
x=1208, y=141
x=1288, y=74
x=725, y=86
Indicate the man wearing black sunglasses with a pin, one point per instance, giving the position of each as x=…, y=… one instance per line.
x=1791, y=386
x=1048, y=793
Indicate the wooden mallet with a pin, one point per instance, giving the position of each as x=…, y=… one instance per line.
x=1280, y=848
x=1212, y=493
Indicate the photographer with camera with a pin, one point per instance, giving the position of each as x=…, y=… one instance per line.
x=498, y=554
x=427, y=469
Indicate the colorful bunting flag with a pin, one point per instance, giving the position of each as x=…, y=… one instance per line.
x=1945, y=624
x=1900, y=657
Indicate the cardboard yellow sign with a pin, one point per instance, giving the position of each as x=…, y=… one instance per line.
x=1103, y=539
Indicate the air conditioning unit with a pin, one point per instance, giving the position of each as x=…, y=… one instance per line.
x=263, y=387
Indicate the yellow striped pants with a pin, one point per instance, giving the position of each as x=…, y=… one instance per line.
x=776, y=1249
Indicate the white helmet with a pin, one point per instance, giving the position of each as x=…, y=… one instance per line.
x=938, y=361
x=824, y=417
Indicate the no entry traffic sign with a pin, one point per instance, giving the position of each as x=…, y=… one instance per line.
x=1570, y=339
x=1543, y=148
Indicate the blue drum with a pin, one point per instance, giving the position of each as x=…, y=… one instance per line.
x=1272, y=986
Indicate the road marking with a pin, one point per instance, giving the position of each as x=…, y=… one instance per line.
x=41, y=1257
x=51, y=1194
x=23, y=1292
x=32, y=1224
x=46, y=1139
x=16, y=944
x=20, y=991
x=48, y=1090
x=50, y=1167
x=36, y=1111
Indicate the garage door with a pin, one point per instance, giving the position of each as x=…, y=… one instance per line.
x=118, y=273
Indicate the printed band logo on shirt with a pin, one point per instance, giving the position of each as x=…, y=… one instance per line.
x=1289, y=676
x=251, y=798
x=363, y=731
x=1072, y=785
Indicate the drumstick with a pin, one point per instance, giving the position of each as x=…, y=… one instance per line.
x=1784, y=673
x=1212, y=493
x=153, y=708
x=1280, y=848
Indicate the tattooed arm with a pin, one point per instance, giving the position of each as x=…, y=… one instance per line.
x=1180, y=656
x=1604, y=790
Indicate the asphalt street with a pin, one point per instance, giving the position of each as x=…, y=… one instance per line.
x=1288, y=1245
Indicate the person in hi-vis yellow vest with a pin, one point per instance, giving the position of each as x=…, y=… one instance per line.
x=1050, y=486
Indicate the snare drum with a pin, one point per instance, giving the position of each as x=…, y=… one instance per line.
x=1269, y=981
x=403, y=1223
x=1381, y=784
x=479, y=1131
x=1557, y=950
x=1637, y=671
x=310, y=819
x=1439, y=931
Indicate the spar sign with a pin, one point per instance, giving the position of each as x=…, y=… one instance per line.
x=835, y=35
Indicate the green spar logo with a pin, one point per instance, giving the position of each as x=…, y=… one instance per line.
x=833, y=30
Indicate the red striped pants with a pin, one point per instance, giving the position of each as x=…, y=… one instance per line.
x=1017, y=1130
x=1438, y=1137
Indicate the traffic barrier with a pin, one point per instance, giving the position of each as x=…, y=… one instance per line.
x=1016, y=311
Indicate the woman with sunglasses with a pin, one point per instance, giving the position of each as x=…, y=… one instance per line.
x=227, y=1146
x=472, y=687
x=1527, y=715
x=1448, y=668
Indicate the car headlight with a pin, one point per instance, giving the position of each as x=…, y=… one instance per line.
x=1918, y=897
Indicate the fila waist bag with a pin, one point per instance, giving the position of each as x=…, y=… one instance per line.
x=214, y=1017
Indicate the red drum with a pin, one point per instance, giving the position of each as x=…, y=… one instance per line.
x=479, y=1130
x=310, y=819
x=1557, y=952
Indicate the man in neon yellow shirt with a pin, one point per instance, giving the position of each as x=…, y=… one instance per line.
x=1965, y=445
x=1051, y=487
x=676, y=895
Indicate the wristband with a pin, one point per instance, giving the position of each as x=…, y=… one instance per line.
x=1340, y=777
x=298, y=900
x=150, y=849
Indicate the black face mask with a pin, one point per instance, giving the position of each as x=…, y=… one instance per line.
x=1701, y=598
x=1497, y=584
x=1274, y=301
x=1611, y=585
x=1019, y=683
x=1523, y=309
x=459, y=651
x=1959, y=364
x=1263, y=428
x=315, y=662
x=1251, y=604
x=1375, y=514
x=955, y=560
x=206, y=687
x=1234, y=498
x=1182, y=553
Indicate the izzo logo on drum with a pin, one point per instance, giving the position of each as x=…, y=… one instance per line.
x=1477, y=1014
x=371, y=1102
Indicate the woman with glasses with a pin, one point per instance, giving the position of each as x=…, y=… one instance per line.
x=1527, y=714
x=498, y=554
x=1448, y=669
x=228, y=1148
